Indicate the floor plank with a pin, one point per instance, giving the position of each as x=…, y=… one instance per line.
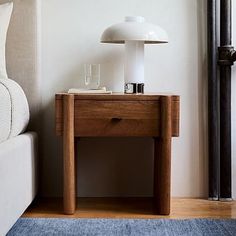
x=131, y=208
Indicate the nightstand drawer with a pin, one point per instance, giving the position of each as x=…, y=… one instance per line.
x=139, y=116
x=116, y=118
x=117, y=115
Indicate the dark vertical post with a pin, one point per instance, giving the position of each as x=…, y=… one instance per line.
x=213, y=102
x=225, y=104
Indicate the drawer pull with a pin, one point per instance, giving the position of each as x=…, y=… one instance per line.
x=116, y=119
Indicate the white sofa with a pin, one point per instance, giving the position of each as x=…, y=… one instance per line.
x=18, y=181
x=18, y=154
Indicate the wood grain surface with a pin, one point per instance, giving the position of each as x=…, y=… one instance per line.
x=119, y=96
x=118, y=116
x=98, y=115
x=134, y=208
x=69, y=175
x=162, y=160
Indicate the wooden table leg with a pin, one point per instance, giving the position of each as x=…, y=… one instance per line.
x=162, y=161
x=69, y=183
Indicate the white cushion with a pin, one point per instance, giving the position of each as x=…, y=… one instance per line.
x=5, y=16
x=14, y=109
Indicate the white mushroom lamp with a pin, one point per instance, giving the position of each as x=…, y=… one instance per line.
x=134, y=33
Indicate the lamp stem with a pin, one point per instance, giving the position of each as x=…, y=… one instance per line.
x=134, y=62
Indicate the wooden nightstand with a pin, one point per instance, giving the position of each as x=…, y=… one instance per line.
x=116, y=115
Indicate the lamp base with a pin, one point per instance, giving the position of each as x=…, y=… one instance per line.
x=134, y=88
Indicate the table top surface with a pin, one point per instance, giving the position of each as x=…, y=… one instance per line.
x=119, y=96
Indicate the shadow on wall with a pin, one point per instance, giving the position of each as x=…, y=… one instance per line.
x=202, y=94
x=111, y=167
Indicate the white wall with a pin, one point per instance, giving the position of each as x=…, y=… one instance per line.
x=70, y=37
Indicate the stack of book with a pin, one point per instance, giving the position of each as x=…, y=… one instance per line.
x=89, y=91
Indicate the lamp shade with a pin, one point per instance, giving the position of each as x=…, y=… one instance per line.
x=134, y=29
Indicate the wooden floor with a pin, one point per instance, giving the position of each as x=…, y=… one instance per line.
x=132, y=208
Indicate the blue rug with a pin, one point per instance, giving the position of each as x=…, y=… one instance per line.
x=105, y=227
